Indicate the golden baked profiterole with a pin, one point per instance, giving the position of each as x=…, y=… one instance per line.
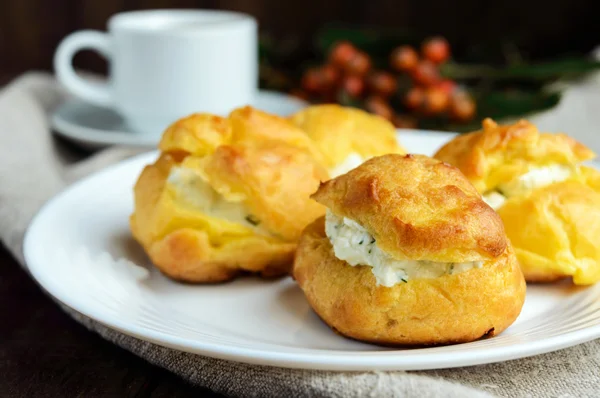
x=346, y=136
x=226, y=195
x=408, y=254
x=548, y=201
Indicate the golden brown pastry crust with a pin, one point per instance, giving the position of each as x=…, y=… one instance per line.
x=547, y=226
x=198, y=134
x=252, y=126
x=555, y=231
x=340, y=131
x=417, y=208
x=590, y=177
x=450, y=309
x=187, y=255
x=499, y=153
x=190, y=246
x=271, y=179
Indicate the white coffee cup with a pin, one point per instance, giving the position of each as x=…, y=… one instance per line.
x=166, y=64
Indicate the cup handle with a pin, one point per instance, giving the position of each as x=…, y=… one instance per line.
x=96, y=93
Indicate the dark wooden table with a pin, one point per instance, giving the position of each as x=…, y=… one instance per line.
x=45, y=353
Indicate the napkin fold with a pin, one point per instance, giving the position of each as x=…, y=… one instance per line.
x=34, y=166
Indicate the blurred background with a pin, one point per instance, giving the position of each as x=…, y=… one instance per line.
x=510, y=50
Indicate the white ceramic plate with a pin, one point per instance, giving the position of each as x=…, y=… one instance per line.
x=80, y=250
x=94, y=127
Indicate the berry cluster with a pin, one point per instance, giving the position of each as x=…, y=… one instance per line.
x=349, y=73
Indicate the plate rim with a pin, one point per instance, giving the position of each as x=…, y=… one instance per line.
x=333, y=360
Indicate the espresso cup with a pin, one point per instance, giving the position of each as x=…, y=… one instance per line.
x=166, y=64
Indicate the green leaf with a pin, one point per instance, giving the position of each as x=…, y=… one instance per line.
x=514, y=103
x=565, y=68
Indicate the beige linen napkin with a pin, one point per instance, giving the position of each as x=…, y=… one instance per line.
x=33, y=167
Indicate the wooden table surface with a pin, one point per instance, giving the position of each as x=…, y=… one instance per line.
x=45, y=353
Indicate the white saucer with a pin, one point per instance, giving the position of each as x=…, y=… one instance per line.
x=95, y=127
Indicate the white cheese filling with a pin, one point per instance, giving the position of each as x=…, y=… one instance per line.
x=192, y=190
x=353, y=244
x=533, y=179
x=351, y=162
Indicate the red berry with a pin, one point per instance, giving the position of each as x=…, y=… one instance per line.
x=312, y=81
x=462, y=107
x=330, y=76
x=353, y=85
x=359, y=64
x=320, y=80
x=415, y=98
x=331, y=73
x=341, y=53
x=379, y=106
x=382, y=83
x=426, y=74
x=447, y=86
x=404, y=59
x=436, y=101
x=436, y=50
